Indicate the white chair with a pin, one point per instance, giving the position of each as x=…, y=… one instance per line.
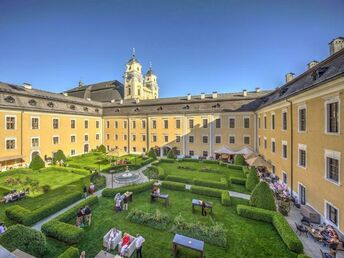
x=131, y=248
x=112, y=243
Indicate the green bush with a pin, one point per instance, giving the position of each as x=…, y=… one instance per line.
x=252, y=180
x=262, y=197
x=225, y=198
x=36, y=163
x=238, y=180
x=152, y=153
x=59, y=156
x=303, y=256
x=147, y=161
x=180, y=179
x=168, y=160
x=155, y=220
x=27, y=217
x=223, y=184
x=120, y=168
x=209, y=161
x=101, y=148
x=206, y=191
x=233, y=166
x=138, y=188
x=239, y=160
x=46, y=188
x=189, y=160
x=171, y=154
x=71, y=252
x=173, y=185
x=98, y=180
x=255, y=213
x=24, y=238
x=62, y=231
x=287, y=234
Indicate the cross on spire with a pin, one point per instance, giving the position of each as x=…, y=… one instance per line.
x=133, y=52
x=150, y=65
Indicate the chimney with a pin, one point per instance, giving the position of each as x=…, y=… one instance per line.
x=137, y=101
x=113, y=101
x=27, y=85
x=121, y=102
x=244, y=93
x=188, y=96
x=257, y=89
x=336, y=45
x=214, y=95
x=89, y=99
x=81, y=84
x=289, y=77
x=312, y=64
x=202, y=95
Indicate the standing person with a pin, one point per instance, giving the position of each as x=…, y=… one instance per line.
x=139, y=243
x=2, y=228
x=204, y=212
x=91, y=189
x=118, y=205
x=125, y=203
x=84, y=189
x=83, y=254
x=88, y=215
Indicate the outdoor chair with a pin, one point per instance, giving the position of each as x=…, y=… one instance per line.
x=325, y=255
x=131, y=248
x=301, y=229
x=111, y=244
x=305, y=221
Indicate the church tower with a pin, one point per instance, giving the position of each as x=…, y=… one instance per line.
x=133, y=79
x=151, y=89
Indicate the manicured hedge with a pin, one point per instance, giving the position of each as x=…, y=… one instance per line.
x=24, y=238
x=278, y=221
x=206, y=191
x=27, y=217
x=188, y=160
x=173, y=185
x=223, y=184
x=252, y=180
x=239, y=160
x=155, y=220
x=225, y=198
x=180, y=179
x=238, y=180
x=120, y=168
x=167, y=160
x=36, y=163
x=152, y=153
x=109, y=192
x=71, y=252
x=233, y=166
x=160, y=171
x=208, y=161
x=262, y=197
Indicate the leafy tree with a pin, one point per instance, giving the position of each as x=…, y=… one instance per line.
x=59, y=156
x=101, y=148
x=252, y=179
x=171, y=154
x=262, y=197
x=151, y=153
x=239, y=160
x=37, y=163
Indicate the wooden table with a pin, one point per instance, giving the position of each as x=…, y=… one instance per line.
x=161, y=196
x=104, y=254
x=196, y=202
x=188, y=242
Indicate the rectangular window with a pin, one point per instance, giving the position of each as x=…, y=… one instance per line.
x=265, y=122
x=116, y=137
x=231, y=139
x=246, y=122
x=116, y=124
x=273, y=123
x=166, y=138
x=72, y=138
x=259, y=122
x=97, y=124
x=134, y=149
x=205, y=123
x=144, y=150
x=125, y=148
x=97, y=136
x=191, y=139
x=218, y=123
x=218, y=139
x=10, y=122
x=166, y=124
x=86, y=137
x=284, y=151
x=178, y=123
x=191, y=123
x=10, y=144
x=246, y=139
x=205, y=139
x=332, y=110
x=178, y=138
x=34, y=123
x=231, y=122
x=72, y=152
x=191, y=153
x=273, y=146
x=143, y=124
x=284, y=121
x=332, y=169
x=302, y=194
x=35, y=142
x=55, y=123
x=332, y=213
x=265, y=143
x=143, y=137
x=284, y=178
x=205, y=153
x=125, y=137
x=56, y=139
x=133, y=124
x=155, y=138
x=134, y=137
x=72, y=124
x=302, y=119
x=302, y=158
x=124, y=124
x=86, y=124
x=259, y=140
x=154, y=124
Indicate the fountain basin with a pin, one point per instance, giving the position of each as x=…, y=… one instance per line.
x=127, y=178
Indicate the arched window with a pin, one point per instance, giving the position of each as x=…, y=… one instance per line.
x=129, y=91
x=32, y=102
x=139, y=92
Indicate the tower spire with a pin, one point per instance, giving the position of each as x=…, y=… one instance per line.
x=150, y=65
x=133, y=52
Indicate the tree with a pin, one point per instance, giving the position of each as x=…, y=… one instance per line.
x=252, y=179
x=151, y=153
x=171, y=154
x=262, y=197
x=37, y=163
x=59, y=156
x=239, y=160
x=101, y=148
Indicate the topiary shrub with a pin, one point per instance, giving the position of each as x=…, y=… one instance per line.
x=59, y=156
x=24, y=238
x=262, y=197
x=46, y=188
x=37, y=163
x=151, y=153
x=111, y=192
x=101, y=148
x=71, y=252
x=171, y=154
x=239, y=160
x=252, y=180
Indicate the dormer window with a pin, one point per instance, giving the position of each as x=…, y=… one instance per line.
x=10, y=99
x=217, y=105
x=50, y=104
x=283, y=91
x=160, y=108
x=186, y=107
x=117, y=110
x=72, y=107
x=136, y=109
x=97, y=110
x=32, y=102
x=86, y=109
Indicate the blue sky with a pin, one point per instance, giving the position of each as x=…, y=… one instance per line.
x=195, y=46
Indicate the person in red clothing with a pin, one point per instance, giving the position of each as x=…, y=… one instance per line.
x=125, y=244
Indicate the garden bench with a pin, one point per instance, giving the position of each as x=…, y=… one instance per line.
x=111, y=244
x=188, y=242
x=164, y=197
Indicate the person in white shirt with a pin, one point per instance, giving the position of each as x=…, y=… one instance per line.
x=139, y=243
x=2, y=228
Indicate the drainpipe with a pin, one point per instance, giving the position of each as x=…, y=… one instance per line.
x=147, y=132
x=21, y=137
x=128, y=131
x=292, y=148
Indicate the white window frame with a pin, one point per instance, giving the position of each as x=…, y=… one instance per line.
x=265, y=119
x=98, y=137
x=115, y=122
x=243, y=122
x=229, y=123
x=205, y=135
x=273, y=141
x=143, y=137
x=299, y=193
x=71, y=152
x=125, y=137
x=15, y=122
x=143, y=122
x=39, y=142
x=326, y=214
x=205, y=118
x=125, y=124
x=249, y=139
x=133, y=137
x=304, y=106
x=329, y=101
x=9, y=139
x=165, y=119
x=193, y=136
x=166, y=135
x=180, y=138
x=88, y=124
x=215, y=123
x=180, y=123
x=284, y=173
x=71, y=138
x=52, y=139
x=282, y=152
x=229, y=138
x=217, y=135
x=334, y=155
x=265, y=141
x=52, y=123
x=71, y=124
x=97, y=121
x=115, y=137
x=39, y=122
x=156, y=124
x=284, y=111
x=273, y=125
x=304, y=148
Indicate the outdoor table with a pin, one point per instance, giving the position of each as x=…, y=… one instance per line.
x=161, y=196
x=104, y=254
x=196, y=202
x=188, y=242
x=129, y=196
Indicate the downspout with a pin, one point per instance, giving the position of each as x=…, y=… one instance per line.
x=128, y=130
x=147, y=133
x=21, y=137
x=292, y=148
x=255, y=134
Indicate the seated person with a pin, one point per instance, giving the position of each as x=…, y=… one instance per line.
x=157, y=192
x=111, y=237
x=88, y=215
x=118, y=205
x=79, y=217
x=2, y=228
x=125, y=244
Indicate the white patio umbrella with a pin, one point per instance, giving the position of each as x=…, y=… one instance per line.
x=258, y=162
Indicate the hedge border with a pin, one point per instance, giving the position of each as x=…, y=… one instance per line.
x=138, y=188
x=70, y=252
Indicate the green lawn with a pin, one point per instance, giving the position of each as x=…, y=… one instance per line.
x=196, y=173
x=246, y=238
